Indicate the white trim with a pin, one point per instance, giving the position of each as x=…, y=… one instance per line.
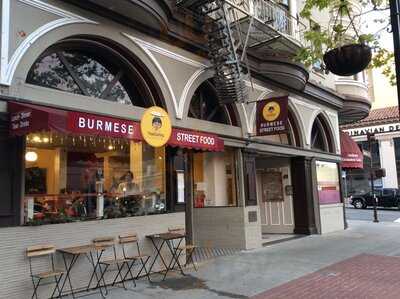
x=254, y=110
x=278, y=211
x=256, y=86
x=183, y=98
x=51, y=9
x=5, y=32
x=157, y=65
x=246, y=118
x=8, y=67
x=301, y=103
x=166, y=52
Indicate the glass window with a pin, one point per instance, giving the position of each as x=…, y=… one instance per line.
x=328, y=182
x=320, y=138
x=214, y=182
x=50, y=72
x=289, y=138
x=71, y=178
x=90, y=72
x=205, y=105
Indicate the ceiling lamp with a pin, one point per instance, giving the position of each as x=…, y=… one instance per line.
x=31, y=156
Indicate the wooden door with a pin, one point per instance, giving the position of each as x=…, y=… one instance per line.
x=275, y=200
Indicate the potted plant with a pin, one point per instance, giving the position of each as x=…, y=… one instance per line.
x=343, y=50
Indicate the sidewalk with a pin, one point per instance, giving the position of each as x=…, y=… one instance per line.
x=253, y=272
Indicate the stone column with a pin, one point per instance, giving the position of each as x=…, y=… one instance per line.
x=388, y=161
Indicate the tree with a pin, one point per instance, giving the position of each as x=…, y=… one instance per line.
x=343, y=30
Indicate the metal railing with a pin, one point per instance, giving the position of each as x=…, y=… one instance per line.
x=271, y=14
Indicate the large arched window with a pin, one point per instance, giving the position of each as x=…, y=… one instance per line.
x=320, y=138
x=92, y=69
x=205, y=105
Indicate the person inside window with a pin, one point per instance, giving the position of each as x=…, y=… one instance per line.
x=128, y=187
x=131, y=201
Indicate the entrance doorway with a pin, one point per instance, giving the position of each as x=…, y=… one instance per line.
x=275, y=198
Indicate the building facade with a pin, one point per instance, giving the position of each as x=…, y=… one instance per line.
x=385, y=149
x=76, y=78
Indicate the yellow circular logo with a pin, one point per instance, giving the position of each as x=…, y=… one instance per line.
x=271, y=111
x=156, y=126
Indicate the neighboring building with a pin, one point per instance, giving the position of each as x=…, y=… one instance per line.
x=76, y=78
x=383, y=93
x=385, y=125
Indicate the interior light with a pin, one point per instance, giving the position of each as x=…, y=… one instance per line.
x=45, y=139
x=31, y=156
x=110, y=147
x=36, y=139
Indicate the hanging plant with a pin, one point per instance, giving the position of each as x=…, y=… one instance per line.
x=346, y=58
x=340, y=47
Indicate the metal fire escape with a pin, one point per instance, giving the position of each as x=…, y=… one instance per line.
x=229, y=78
x=236, y=27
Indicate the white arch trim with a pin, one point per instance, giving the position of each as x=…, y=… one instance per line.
x=8, y=66
x=157, y=65
x=331, y=128
x=251, y=121
x=146, y=47
x=184, y=95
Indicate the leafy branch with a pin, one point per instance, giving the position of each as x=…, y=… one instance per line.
x=318, y=40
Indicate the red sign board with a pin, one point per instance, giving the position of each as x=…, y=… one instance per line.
x=196, y=140
x=272, y=116
x=91, y=124
x=27, y=118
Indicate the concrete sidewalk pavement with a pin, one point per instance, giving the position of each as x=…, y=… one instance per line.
x=253, y=272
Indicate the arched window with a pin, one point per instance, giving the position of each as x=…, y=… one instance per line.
x=91, y=69
x=205, y=105
x=292, y=136
x=320, y=138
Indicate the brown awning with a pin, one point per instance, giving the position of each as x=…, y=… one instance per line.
x=352, y=156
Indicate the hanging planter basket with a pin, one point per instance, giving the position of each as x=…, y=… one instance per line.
x=348, y=60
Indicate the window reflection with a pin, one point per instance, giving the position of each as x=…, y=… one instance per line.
x=50, y=72
x=214, y=179
x=81, y=73
x=75, y=178
x=94, y=75
x=204, y=105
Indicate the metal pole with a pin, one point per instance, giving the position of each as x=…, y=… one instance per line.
x=395, y=21
x=371, y=173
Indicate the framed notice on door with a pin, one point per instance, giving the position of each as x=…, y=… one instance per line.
x=272, y=186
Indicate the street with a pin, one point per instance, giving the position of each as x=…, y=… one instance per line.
x=384, y=214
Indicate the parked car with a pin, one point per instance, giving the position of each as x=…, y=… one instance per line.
x=387, y=197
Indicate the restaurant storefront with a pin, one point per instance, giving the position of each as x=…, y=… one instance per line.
x=77, y=164
x=81, y=166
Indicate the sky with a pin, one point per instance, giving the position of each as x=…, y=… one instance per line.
x=385, y=94
x=369, y=26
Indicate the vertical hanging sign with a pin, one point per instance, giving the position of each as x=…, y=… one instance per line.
x=272, y=116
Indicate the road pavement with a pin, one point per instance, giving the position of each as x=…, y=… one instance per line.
x=384, y=215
